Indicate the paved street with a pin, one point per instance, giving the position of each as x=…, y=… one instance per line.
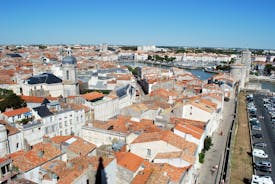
x=215, y=155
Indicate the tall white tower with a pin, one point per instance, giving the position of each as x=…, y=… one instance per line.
x=246, y=60
x=70, y=83
x=240, y=70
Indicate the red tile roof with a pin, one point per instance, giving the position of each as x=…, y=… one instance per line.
x=32, y=99
x=16, y=112
x=92, y=96
x=40, y=154
x=170, y=138
x=190, y=129
x=60, y=139
x=129, y=160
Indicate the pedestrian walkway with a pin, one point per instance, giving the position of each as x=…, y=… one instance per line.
x=210, y=170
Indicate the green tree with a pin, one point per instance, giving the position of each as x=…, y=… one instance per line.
x=201, y=157
x=42, y=47
x=207, y=143
x=12, y=101
x=268, y=68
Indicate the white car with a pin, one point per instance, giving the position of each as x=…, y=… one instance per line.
x=259, y=153
x=261, y=180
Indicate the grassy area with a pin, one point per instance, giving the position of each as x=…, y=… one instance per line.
x=241, y=162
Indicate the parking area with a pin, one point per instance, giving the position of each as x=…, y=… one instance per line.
x=261, y=111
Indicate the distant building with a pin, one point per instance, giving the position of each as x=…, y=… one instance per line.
x=47, y=84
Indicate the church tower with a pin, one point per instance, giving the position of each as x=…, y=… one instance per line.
x=70, y=83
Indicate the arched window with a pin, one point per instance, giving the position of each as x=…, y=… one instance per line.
x=67, y=74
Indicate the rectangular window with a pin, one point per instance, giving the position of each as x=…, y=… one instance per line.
x=67, y=75
x=17, y=145
x=149, y=152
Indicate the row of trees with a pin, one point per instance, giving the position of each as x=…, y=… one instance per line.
x=160, y=58
x=223, y=67
x=207, y=50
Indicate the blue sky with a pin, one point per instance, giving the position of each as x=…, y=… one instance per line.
x=214, y=23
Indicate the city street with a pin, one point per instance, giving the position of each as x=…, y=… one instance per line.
x=214, y=156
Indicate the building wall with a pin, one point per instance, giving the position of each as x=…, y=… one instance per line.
x=105, y=109
x=54, y=90
x=111, y=172
x=99, y=136
x=124, y=176
x=3, y=141
x=16, y=118
x=141, y=149
x=190, y=138
x=33, y=134
x=33, y=175
x=177, y=162
x=82, y=179
x=16, y=142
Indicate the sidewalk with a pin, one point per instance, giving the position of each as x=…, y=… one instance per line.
x=214, y=156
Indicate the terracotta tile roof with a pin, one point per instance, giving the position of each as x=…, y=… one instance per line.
x=94, y=161
x=75, y=168
x=203, y=106
x=169, y=137
x=70, y=171
x=4, y=159
x=190, y=129
x=32, y=99
x=51, y=98
x=81, y=146
x=125, y=124
x=183, y=121
x=164, y=93
x=142, y=176
x=60, y=139
x=92, y=96
x=16, y=112
x=129, y=160
x=55, y=166
x=40, y=154
x=11, y=130
x=175, y=174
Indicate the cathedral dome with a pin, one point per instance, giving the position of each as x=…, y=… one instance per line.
x=69, y=60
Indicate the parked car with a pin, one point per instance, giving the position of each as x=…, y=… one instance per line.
x=260, y=144
x=253, y=119
x=256, y=127
x=258, y=136
x=263, y=168
x=259, y=153
x=261, y=179
x=252, y=115
x=263, y=164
